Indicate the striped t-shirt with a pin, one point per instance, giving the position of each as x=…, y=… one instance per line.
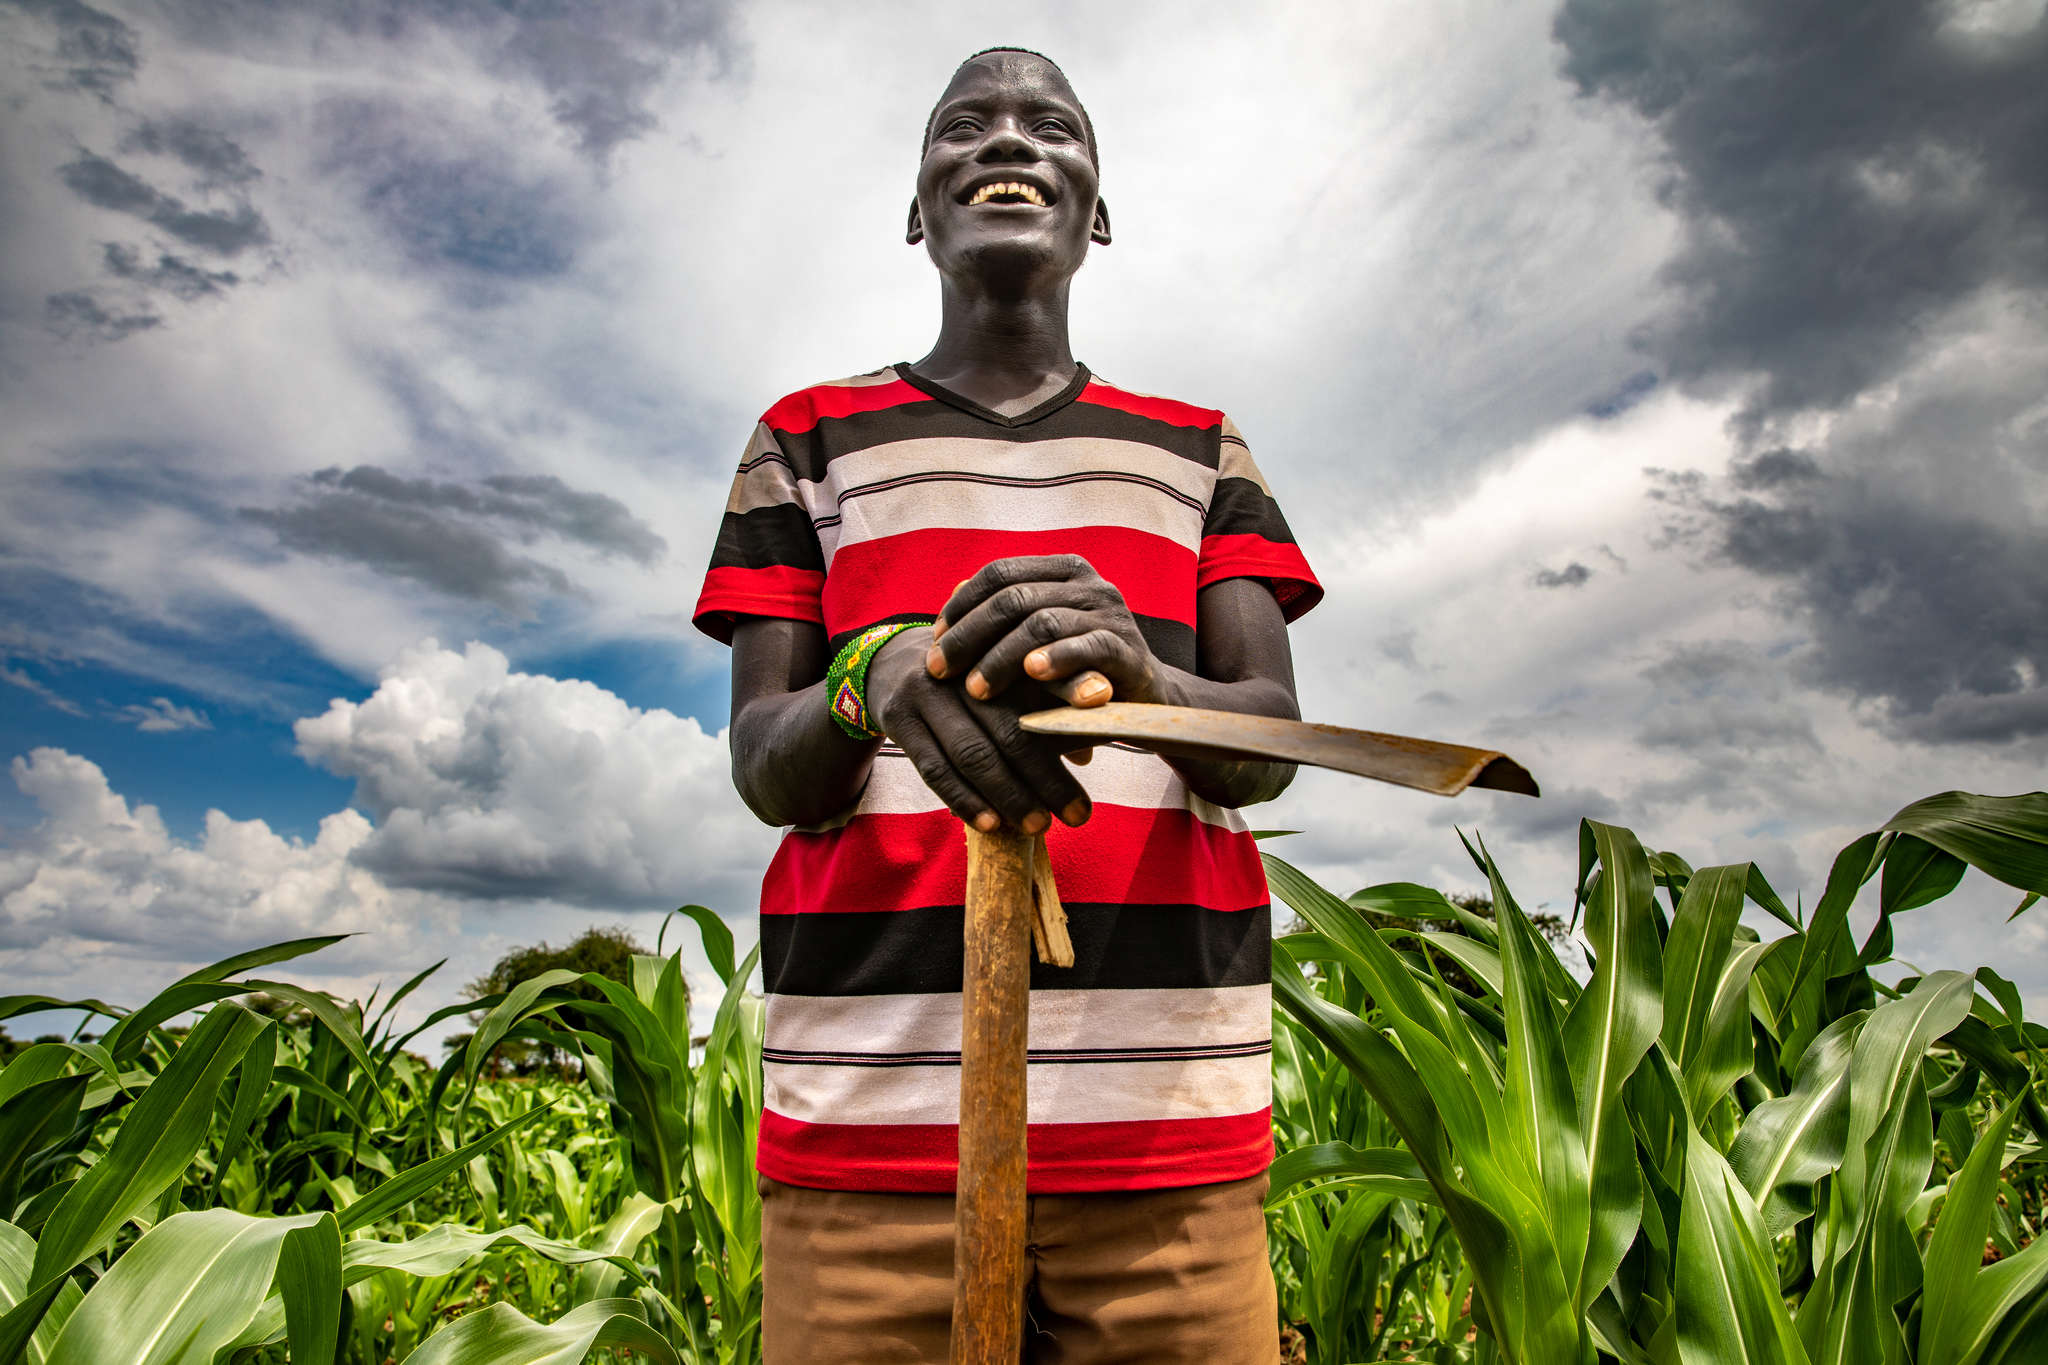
x=867, y=500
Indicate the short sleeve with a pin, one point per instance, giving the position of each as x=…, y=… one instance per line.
x=767, y=561
x=1244, y=535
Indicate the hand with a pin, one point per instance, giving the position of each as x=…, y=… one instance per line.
x=1046, y=618
x=971, y=752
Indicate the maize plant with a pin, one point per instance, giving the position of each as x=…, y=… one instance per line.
x=304, y=1188
x=1717, y=1147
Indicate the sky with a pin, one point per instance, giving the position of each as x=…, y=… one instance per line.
x=1656, y=388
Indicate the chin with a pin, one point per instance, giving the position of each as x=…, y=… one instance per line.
x=1021, y=257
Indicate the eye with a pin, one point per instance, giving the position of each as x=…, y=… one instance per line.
x=963, y=124
x=1055, y=128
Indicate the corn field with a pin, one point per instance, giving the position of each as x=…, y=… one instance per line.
x=1717, y=1147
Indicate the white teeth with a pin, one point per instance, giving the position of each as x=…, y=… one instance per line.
x=1028, y=193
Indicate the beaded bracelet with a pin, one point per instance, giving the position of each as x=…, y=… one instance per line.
x=846, y=681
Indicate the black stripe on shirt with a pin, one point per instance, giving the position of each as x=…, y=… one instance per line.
x=1171, y=642
x=1116, y=947
x=809, y=452
x=776, y=535
x=1240, y=507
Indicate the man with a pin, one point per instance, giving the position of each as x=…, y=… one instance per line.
x=907, y=558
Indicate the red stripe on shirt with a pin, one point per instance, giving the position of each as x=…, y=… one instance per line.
x=803, y=410
x=1062, y=1158
x=773, y=590
x=1124, y=855
x=1249, y=556
x=1144, y=405
x=916, y=571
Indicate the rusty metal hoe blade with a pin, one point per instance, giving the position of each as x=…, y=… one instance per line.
x=1424, y=764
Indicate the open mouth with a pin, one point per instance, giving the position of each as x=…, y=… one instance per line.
x=1008, y=192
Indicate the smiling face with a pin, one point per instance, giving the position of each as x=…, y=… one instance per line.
x=1006, y=195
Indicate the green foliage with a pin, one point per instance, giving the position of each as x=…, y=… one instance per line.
x=284, y=1179
x=605, y=951
x=1715, y=1148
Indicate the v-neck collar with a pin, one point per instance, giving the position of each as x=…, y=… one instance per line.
x=945, y=395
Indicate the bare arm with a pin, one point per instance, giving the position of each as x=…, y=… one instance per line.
x=792, y=764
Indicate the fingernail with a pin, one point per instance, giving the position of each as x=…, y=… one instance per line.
x=977, y=686
x=1076, y=812
x=987, y=821
x=1094, y=690
x=1035, y=822
x=935, y=662
x=938, y=627
x=1037, y=664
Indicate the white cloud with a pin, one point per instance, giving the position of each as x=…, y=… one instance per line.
x=485, y=782
x=38, y=688
x=98, y=875
x=503, y=808
x=163, y=716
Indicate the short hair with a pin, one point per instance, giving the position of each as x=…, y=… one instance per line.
x=1087, y=124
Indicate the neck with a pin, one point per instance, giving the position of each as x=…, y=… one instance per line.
x=1010, y=346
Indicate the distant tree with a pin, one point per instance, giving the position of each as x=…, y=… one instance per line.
x=606, y=950
x=286, y=1012
x=11, y=1047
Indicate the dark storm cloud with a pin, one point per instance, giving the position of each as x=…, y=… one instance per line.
x=172, y=274
x=1920, y=586
x=476, y=205
x=1860, y=189
x=1633, y=390
x=76, y=313
x=218, y=159
x=1775, y=469
x=600, y=61
x=1847, y=171
x=1557, y=814
x=527, y=502
x=101, y=182
x=1572, y=575
x=454, y=537
x=469, y=214
x=95, y=52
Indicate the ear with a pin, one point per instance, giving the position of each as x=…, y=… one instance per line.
x=1098, y=231
x=915, y=232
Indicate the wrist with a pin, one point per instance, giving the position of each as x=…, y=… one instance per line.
x=899, y=660
x=847, y=680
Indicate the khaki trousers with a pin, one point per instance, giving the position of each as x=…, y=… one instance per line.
x=1155, y=1276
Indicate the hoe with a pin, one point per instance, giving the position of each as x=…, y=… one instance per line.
x=1012, y=905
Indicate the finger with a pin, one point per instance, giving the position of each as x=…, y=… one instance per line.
x=1037, y=763
x=980, y=757
x=939, y=626
x=1099, y=651
x=1081, y=756
x=974, y=634
x=1002, y=663
x=1002, y=573
x=1083, y=690
x=929, y=758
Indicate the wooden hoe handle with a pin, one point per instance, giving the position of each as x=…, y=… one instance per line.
x=1012, y=907
x=988, y=1227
